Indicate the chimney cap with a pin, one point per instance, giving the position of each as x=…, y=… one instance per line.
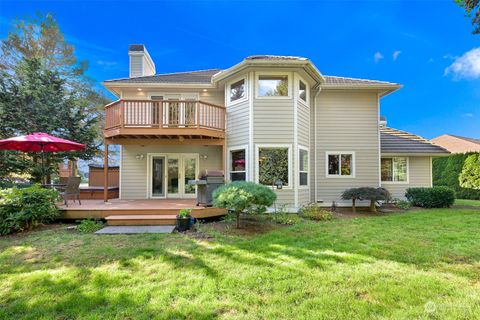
x=136, y=47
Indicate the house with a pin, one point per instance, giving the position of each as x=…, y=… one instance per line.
x=322, y=134
x=457, y=144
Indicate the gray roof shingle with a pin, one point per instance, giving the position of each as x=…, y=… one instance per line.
x=334, y=80
x=398, y=141
x=200, y=77
x=136, y=47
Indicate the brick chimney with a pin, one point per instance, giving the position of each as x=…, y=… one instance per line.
x=140, y=62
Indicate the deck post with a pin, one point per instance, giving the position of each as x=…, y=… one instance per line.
x=223, y=158
x=105, y=170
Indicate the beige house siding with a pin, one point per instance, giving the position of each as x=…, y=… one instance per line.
x=215, y=97
x=237, y=124
x=419, y=175
x=347, y=121
x=134, y=172
x=303, y=125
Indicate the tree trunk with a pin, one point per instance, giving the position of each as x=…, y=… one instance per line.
x=354, y=209
x=373, y=207
x=238, y=220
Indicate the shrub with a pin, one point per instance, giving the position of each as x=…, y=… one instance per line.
x=286, y=218
x=242, y=196
x=315, y=212
x=23, y=209
x=184, y=213
x=374, y=195
x=470, y=175
x=353, y=194
x=402, y=204
x=435, y=197
x=89, y=226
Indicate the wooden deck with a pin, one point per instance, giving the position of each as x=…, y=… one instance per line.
x=116, y=207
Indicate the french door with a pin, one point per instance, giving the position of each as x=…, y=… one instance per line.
x=170, y=173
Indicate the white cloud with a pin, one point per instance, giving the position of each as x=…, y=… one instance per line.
x=465, y=67
x=106, y=63
x=467, y=115
x=377, y=57
x=395, y=54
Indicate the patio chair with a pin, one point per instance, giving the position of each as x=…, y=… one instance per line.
x=72, y=190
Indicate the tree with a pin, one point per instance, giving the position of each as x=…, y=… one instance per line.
x=374, y=195
x=242, y=196
x=470, y=175
x=353, y=194
x=38, y=99
x=472, y=10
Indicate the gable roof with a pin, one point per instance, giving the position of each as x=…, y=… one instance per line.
x=401, y=142
x=457, y=144
x=200, y=76
x=472, y=140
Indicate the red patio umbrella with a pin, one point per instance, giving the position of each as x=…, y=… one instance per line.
x=40, y=142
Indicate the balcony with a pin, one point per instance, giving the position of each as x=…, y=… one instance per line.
x=167, y=119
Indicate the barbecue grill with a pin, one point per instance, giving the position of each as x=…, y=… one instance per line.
x=207, y=183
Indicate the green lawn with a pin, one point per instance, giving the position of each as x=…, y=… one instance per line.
x=423, y=264
x=465, y=202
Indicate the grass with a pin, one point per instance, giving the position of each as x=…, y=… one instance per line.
x=465, y=202
x=421, y=264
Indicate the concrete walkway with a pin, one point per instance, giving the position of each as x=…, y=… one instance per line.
x=135, y=229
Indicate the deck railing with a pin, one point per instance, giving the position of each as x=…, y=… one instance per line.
x=164, y=114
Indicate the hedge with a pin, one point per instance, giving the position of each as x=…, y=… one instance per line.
x=435, y=197
x=446, y=172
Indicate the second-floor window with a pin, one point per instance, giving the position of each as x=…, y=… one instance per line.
x=302, y=91
x=273, y=86
x=237, y=90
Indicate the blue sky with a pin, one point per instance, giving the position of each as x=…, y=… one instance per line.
x=425, y=45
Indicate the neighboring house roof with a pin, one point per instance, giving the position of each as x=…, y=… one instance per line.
x=457, y=144
x=395, y=141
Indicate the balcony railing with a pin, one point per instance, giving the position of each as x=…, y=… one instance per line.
x=164, y=114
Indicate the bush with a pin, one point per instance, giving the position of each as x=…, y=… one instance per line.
x=374, y=195
x=286, y=218
x=402, y=204
x=446, y=172
x=435, y=197
x=315, y=212
x=353, y=194
x=470, y=176
x=23, y=209
x=89, y=226
x=242, y=196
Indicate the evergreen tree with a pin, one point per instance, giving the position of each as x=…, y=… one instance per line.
x=470, y=176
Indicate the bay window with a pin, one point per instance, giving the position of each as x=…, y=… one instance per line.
x=273, y=165
x=303, y=167
x=238, y=165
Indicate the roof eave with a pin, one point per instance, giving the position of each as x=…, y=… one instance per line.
x=382, y=88
x=416, y=154
x=119, y=84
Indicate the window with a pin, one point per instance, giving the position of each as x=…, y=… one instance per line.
x=340, y=164
x=394, y=169
x=237, y=165
x=303, y=167
x=273, y=86
x=237, y=90
x=302, y=91
x=273, y=165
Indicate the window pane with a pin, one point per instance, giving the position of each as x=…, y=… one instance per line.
x=303, y=160
x=273, y=166
x=333, y=164
x=237, y=90
x=238, y=160
x=237, y=176
x=270, y=86
x=387, y=169
x=302, y=92
x=400, y=172
x=303, y=178
x=346, y=164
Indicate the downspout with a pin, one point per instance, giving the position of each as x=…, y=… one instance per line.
x=315, y=140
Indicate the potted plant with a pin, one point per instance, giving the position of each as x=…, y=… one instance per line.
x=183, y=219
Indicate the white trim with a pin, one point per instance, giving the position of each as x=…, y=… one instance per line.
x=393, y=169
x=296, y=182
x=251, y=160
x=120, y=174
x=274, y=73
x=431, y=172
x=315, y=144
x=181, y=193
x=228, y=90
x=300, y=148
x=229, y=160
x=379, y=142
x=275, y=146
x=339, y=176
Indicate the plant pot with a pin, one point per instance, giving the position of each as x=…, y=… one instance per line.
x=183, y=224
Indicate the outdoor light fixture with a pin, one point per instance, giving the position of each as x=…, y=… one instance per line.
x=204, y=90
x=279, y=184
x=139, y=156
x=204, y=156
x=139, y=89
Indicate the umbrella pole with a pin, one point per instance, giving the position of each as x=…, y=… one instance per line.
x=44, y=181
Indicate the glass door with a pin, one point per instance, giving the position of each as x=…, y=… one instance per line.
x=173, y=176
x=158, y=175
x=189, y=171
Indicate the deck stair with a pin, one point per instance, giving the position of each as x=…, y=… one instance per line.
x=141, y=220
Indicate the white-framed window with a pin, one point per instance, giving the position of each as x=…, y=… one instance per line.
x=394, y=169
x=237, y=163
x=340, y=164
x=302, y=91
x=237, y=91
x=274, y=85
x=303, y=165
x=274, y=164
